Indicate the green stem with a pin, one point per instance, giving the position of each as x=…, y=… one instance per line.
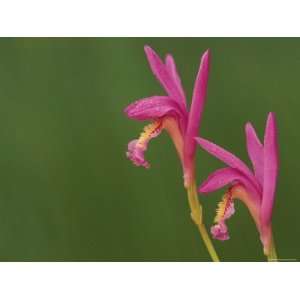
x=196, y=214
x=272, y=256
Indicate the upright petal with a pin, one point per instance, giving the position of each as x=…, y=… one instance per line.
x=225, y=176
x=230, y=159
x=161, y=73
x=171, y=68
x=198, y=100
x=255, y=151
x=270, y=169
x=153, y=108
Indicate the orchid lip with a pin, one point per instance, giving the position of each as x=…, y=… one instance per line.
x=137, y=147
x=224, y=211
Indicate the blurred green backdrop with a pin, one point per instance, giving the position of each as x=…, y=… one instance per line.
x=68, y=193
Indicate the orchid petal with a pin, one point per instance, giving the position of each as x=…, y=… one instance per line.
x=220, y=232
x=171, y=67
x=161, y=73
x=153, y=108
x=137, y=148
x=270, y=169
x=136, y=154
x=197, y=105
x=230, y=159
x=255, y=151
x=225, y=176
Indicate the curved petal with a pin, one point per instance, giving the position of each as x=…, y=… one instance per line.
x=223, y=177
x=171, y=68
x=220, y=231
x=197, y=105
x=230, y=159
x=161, y=73
x=138, y=147
x=152, y=108
x=270, y=169
x=255, y=151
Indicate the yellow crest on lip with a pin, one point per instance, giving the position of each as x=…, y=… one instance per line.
x=222, y=207
x=150, y=131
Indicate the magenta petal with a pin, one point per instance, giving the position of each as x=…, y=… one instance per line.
x=255, y=151
x=230, y=159
x=171, y=68
x=197, y=105
x=270, y=169
x=161, y=73
x=152, y=108
x=222, y=177
x=220, y=231
x=136, y=154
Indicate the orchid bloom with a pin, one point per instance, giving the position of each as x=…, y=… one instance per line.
x=170, y=112
x=256, y=189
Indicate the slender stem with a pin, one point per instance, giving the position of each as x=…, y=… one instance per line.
x=196, y=214
x=272, y=256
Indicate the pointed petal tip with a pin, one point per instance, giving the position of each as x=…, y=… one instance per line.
x=149, y=51
x=207, y=52
x=271, y=126
x=169, y=57
x=218, y=179
x=126, y=110
x=248, y=125
x=272, y=123
x=206, y=55
x=271, y=114
x=200, y=140
x=202, y=189
x=147, y=48
x=203, y=143
x=271, y=117
x=169, y=61
x=251, y=133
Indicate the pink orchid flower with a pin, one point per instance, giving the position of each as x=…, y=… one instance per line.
x=256, y=189
x=170, y=112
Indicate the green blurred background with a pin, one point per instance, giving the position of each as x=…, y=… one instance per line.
x=68, y=193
